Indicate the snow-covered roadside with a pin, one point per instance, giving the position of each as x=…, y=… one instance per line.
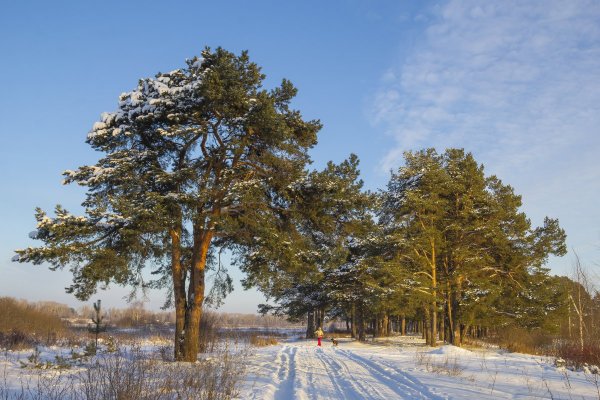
x=134, y=370
x=399, y=368
x=404, y=369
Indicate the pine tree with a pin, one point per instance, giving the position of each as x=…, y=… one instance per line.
x=328, y=206
x=196, y=160
x=463, y=237
x=98, y=326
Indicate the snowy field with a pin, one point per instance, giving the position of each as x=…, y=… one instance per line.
x=402, y=368
x=398, y=368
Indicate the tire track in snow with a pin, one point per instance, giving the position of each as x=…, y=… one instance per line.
x=339, y=389
x=313, y=379
x=359, y=382
x=347, y=388
x=392, y=378
x=388, y=366
x=286, y=374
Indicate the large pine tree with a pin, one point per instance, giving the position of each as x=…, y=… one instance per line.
x=462, y=236
x=329, y=209
x=195, y=159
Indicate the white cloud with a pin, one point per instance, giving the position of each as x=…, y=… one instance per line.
x=515, y=82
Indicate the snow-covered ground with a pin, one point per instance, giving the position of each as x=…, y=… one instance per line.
x=402, y=368
x=398, y=368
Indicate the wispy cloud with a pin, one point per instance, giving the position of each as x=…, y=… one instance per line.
x=515, y=82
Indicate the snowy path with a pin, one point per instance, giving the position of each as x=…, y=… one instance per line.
x=404, y=370
x=303, y=371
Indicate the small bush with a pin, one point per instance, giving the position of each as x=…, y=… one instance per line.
x=209, y=331
x=131, y=374
x=262, y=341
x=449, y=366
x=22, y=325
x=576, y=357
x=16, y=340
x=519, y=340
x=336, y=334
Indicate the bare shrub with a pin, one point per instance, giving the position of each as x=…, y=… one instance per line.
x=262, y=341
x=24, y=325
x=16, y=340
x=449, y=366
x=337, y=334
x=212, y=379
x=209, y=331
x=519, y=340
x=423, y=358
x=134, y=375
x=576, y=356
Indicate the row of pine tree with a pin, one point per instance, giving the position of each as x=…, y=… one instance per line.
x=203, y=162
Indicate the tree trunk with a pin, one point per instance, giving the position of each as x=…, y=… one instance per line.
x=361, y=325
x=321, y=319
x=310, y=325
x=377, y=327
x=426, y=322
x=433, y=336
x=579, y=311
x=569, y=321
x=433, y=325
x=178, y=276
x=403, y=326
x=387, y=324
x=193, y=315
x=455, y=320
x=450, y=314
x=354, y=321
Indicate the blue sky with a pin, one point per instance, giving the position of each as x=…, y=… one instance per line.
x=517, y=83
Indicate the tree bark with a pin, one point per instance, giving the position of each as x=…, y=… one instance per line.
x=354, y=321
x=377, y=327
x=403, y=331
x=442, y=328
x=178, y=276
x=387, y=324
x=434, y=334
x=361, y=325
x=321, y=319
x=426, y=322
x=202, y=239
x=310, y=325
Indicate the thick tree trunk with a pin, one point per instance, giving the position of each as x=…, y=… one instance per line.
x=456, y=334
x=310, y=325
x=377, y=327
x=454, y=329
x=354, y=321
x=450, y=316
x=193, y=315
x=321, y=320
x=433, y=325
x=403, y=326
x=361, y=324
x=178, y=276
x=426, y=322
x=388, y=325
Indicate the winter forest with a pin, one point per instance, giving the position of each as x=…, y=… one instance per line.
x=203, y=164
